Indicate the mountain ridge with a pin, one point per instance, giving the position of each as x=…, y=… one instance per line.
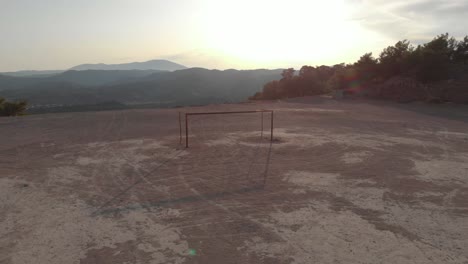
x=161, y=65
x=32, y=73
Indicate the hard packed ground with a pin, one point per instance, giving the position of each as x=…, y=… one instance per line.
x=341, y=182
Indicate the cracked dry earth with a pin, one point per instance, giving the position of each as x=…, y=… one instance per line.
x=342, y=182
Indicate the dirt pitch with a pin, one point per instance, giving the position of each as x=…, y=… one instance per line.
x=343, y=182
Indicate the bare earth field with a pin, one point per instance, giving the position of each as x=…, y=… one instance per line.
x=342, y=182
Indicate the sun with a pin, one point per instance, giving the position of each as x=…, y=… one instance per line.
x=274, y=32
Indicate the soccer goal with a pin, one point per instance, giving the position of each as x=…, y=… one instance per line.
x=188, y=116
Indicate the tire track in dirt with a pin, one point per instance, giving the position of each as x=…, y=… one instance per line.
x=447, y=157
x=260, y=196
x=397, y=203
x=141, y=173
x=101, y=135
x=250, y=221
x=20, y=156
x=220, y=152
x=124, y=191
x=115, y=154
x=33, y=142
x=46, y=185
x=222, y=206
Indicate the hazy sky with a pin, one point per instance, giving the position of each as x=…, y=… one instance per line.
x=59, y=34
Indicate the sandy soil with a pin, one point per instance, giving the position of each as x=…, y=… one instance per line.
x=342, y=182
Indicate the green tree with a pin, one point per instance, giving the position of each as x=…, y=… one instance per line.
x=288, y=74
x=443, y=45
x=366, y=67
x=338, y=80
x=271, y=90
x=12, y=108
x=313, y=80
x=394, y=59
x=434, y=59
x=461, y=52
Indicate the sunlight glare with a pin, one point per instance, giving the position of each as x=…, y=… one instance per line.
x=266, y=32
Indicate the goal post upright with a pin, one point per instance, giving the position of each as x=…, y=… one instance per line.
x=261, y=135
x=180, y=129
x=186, y=130
x=221, y=113
x=271, y=133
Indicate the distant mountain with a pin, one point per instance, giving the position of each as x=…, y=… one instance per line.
x=154, y=65
x=32, y=73
x=159, y=89
x=101, y=77
x=161, y=65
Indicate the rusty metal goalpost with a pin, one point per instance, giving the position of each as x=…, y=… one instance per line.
x=220, y=113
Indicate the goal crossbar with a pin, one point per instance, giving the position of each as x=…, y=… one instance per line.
x=220, y=113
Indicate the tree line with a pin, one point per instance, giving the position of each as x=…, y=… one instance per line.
x=442, y=58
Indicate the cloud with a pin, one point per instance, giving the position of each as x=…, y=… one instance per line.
x=417, y=21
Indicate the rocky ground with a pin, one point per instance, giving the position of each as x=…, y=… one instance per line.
x=342, y=182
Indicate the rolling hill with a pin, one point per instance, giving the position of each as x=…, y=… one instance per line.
x=85, y=78
x=157, y=89
x=101, y=77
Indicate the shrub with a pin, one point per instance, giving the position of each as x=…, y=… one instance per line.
x=12, y=108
